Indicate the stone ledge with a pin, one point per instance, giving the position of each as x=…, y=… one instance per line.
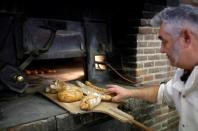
x=35, y=112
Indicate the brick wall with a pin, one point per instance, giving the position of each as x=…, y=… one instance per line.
x=141, y=60
x=152, y=66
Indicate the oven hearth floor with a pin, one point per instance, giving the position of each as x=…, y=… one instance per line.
x=35, y=112
x=27, y=109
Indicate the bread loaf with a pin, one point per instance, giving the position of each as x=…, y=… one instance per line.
x=56, y=87
x=89, y=102
x=102, y=91
x=70, y=95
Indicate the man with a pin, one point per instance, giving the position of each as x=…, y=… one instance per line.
x=179, y=36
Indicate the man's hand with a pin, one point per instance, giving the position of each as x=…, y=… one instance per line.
x=121, y=93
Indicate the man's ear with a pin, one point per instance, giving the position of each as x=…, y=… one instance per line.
x=187, y=37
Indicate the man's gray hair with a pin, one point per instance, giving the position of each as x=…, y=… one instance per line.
x=174, y=18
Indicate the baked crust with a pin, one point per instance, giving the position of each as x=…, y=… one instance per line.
x=70, y=95
x=89, y=102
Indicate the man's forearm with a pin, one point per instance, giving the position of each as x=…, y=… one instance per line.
x=146, y=93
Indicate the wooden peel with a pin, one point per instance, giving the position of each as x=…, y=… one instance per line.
x=71, y=107
x=112, y=110
x=108, y=108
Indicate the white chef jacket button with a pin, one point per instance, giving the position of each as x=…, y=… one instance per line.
x=183, y=125
x=183, y=96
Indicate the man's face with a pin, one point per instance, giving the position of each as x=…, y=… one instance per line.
x=170, y=47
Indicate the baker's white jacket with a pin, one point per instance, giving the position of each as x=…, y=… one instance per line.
x=184, y=97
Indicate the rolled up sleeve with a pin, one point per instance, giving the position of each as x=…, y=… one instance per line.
x=160, y=93
x=166, y=94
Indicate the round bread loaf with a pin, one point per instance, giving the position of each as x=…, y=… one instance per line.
x=70, y=95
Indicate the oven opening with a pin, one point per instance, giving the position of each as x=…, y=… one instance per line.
x=62, y=69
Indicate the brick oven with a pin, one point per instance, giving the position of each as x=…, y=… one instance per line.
x=95, y=41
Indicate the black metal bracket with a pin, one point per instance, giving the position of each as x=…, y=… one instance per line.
x=38, y=52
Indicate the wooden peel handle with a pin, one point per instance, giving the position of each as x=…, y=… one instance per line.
x=130, y=119
x=127, y=118
x=140, y=125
